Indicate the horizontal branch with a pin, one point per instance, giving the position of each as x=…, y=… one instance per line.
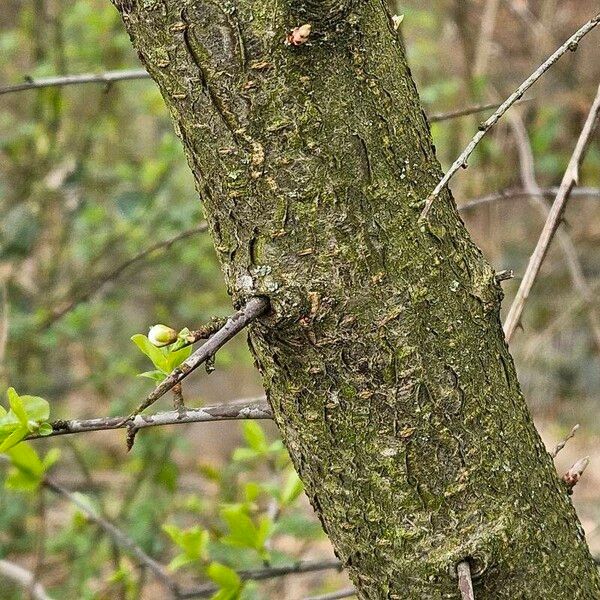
x=297, y=568
x=345, y=593
x=519, y=193
x=257, y=408
x=60, y=81
x=461, y=161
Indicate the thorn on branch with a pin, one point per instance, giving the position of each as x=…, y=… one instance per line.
x=131, y=433
x=254, y=308
x=573, y=475
x=178, y=403
x=504, y=275
x=465, y=583
x=562, y=444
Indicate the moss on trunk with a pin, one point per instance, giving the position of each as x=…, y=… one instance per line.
x=384, y=358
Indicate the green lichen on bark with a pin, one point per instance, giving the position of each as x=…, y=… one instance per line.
x=383, y=358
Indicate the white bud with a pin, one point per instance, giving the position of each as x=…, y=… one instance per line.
x=161, y=335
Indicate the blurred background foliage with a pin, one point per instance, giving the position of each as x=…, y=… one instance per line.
x=93, y=175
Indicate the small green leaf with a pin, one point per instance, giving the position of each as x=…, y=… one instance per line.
x=45, y=429
x=181, y=560
x=16, y=405
x=157, y=376
x=242, y=531
x=37, y=408
x=223, y=576
x=178, y=356
x=156, y=355
x=255, y=436
x=292, y=488
x=244, y=454
x=14, y=438
x=252, y=491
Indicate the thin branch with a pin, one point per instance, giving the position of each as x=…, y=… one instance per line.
x=569, y=180
x=469, y=110
x=112, y=76
x=101, y=280
x=234, y=411
x=465, y=585
x=254, y=308
x=307, y=566
x=519, y=193
x=562, y=444
x=461, y=161
x=119, y=537
x=23, y=578
x=45, y=82
x=346, y=593
x=527, y=168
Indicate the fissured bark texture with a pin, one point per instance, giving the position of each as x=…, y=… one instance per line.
x=384, y=358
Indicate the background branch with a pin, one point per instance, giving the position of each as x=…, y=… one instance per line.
x=461, y=161
x=64, y=80
x=569, y=180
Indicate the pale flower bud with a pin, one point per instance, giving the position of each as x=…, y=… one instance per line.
x=161, y=335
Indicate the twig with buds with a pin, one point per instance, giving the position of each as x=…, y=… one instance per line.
x=562, y=444
x=573, y=475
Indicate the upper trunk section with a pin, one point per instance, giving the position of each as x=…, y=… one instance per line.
x=384, y=358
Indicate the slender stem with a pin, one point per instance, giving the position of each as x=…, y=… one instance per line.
x=101, y=280
x=518, y=193
x=24, y=578
x=469, y=110
x=308, y=566
x=251, y=409
x=527, y=168
x=253, y=309
x=44, y=82
x=461, y=161
x=569, y=180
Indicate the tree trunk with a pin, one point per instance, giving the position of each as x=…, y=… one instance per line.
x=383, y=357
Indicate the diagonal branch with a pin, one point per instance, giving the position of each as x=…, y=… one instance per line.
x=118, y=536
x=104, y=278
x=24, y=578
x=569, y=180
x=254, y=308
x=59, y=81
x=461, y=161
x=574, y=266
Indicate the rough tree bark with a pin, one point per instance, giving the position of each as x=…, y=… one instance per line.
x=383, y=357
